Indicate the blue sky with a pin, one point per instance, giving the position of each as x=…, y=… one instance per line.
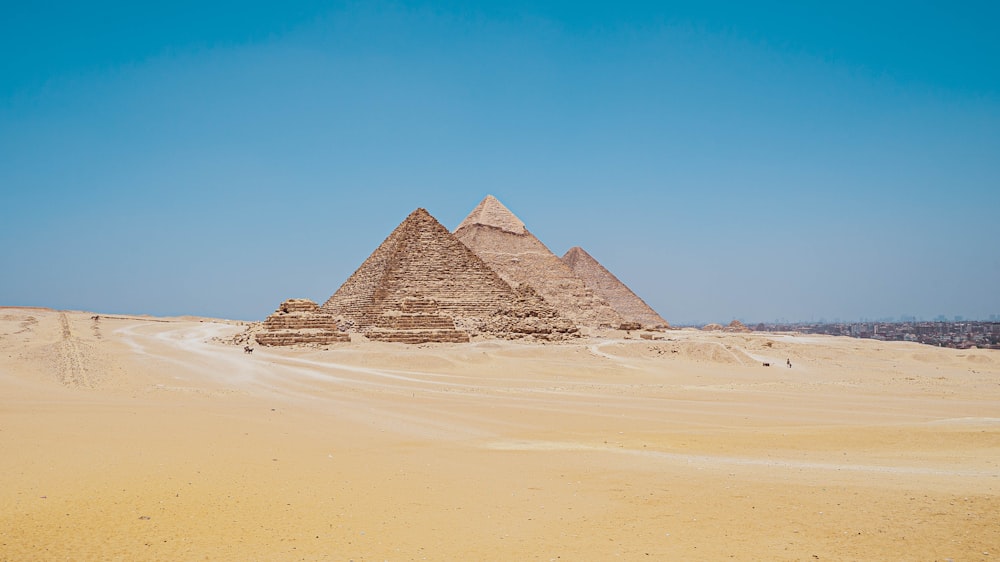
x=752, y=160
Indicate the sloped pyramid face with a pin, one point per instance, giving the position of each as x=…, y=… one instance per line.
x=501, y=240
x=421, y=278
x=619, y=296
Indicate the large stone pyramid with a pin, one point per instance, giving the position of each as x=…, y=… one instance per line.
x=500, y=238
x=626, y=303
x=422, y=284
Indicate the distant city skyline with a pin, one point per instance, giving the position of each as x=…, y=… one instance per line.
x=863, y=320
x=726, y=160
x=953, y=334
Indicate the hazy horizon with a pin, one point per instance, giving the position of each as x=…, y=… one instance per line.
x=725, y=160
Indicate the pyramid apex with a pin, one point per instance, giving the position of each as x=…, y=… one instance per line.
x=419, y=218
x=575, y=254
x=491, y=212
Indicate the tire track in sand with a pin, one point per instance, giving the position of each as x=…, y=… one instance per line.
x=72, y=369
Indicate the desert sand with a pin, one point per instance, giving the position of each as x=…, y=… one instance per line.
x=131, y=438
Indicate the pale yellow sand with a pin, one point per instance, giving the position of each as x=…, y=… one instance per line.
x=143, y=439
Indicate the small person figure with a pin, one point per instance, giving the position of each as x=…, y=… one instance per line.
x=789, y=361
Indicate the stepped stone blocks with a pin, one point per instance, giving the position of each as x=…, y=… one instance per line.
x=417, y=321
x=422, y=282
x=300, y=321
x=501, y=240
x=418, y=336
x=634, y=311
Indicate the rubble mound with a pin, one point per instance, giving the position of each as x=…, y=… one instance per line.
x=712, y=328
x=529, y=315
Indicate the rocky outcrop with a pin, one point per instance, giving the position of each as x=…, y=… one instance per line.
x=300, y=321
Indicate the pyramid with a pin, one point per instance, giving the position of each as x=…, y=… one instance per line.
x=422, y=284
x=626, y=303
x=501, y=240
x=300, y=321
x=737, y=326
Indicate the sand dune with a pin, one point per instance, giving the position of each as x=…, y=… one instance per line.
x=134, y=438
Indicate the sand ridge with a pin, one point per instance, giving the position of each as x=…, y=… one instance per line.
x=149, y=439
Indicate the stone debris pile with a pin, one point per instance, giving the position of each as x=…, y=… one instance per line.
x=529, y=315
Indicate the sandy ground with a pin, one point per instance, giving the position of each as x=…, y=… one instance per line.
x=145, y=439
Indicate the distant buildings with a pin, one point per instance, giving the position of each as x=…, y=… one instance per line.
x=957, y=334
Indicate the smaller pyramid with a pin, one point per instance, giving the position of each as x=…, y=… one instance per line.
x=632, y=309
x=737, y=326
x=300, y=321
